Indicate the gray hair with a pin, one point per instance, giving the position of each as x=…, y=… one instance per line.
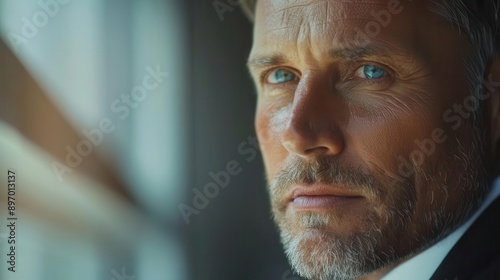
x=478, y=21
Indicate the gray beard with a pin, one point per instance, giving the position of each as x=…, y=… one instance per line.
x=328, y=256
x=319, y=254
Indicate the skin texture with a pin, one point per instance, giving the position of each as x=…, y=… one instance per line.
x=330, y=126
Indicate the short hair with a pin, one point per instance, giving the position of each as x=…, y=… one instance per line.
x=478, y=21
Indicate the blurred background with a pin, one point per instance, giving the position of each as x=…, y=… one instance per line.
x=122, y=120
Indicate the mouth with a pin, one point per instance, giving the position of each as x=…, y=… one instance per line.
x=322, y=197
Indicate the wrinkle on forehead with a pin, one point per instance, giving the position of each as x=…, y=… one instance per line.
x=315, y=17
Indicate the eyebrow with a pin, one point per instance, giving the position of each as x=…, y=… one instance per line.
x=356, y=53
x=266, y=61
x=346, y=53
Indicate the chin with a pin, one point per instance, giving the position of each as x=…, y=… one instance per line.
x=319, y=247
x=320, y=255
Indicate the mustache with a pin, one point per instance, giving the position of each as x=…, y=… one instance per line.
x=325, y=170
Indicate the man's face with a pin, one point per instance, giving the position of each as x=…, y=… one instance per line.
x=365, y=162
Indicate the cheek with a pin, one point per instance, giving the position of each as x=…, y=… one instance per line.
x=269, y=125
x=377, y=143
x=384, y=140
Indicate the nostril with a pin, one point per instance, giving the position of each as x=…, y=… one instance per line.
x=317, y=151
x=307, y=141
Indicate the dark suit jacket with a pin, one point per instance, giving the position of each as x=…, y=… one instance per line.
x=477, y=254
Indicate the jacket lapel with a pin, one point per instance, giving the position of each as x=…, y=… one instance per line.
x=477, y=254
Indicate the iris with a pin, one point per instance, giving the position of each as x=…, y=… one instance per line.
x=373, y=72
x=281, y=76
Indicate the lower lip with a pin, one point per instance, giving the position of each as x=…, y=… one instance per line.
x=322, y=202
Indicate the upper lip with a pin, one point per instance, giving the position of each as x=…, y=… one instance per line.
x=320, y=190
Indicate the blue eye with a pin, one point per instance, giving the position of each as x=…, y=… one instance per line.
x=280, y=76
x=370, y=72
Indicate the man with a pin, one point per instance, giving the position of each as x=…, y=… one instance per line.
x=379, y=125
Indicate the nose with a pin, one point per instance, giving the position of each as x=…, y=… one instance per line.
x=313, y=128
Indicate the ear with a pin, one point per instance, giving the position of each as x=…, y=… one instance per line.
x=493, y=107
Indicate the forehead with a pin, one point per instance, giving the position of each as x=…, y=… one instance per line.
x=288, y=13
x=281, y=22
